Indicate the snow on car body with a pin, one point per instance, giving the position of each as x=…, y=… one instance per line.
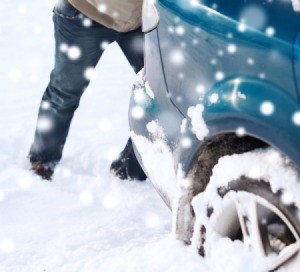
x=225, y=80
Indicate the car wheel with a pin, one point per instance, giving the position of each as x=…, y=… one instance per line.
x=267, y=223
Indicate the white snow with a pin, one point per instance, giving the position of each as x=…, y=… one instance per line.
x=267, y=165
x=198, y=124
x=158, y=159
x=85, y=220
x=267, y=108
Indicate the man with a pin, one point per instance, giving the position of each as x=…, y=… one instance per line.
x=79, y=46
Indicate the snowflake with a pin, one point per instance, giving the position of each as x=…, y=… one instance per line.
x=296, y=118
x=137, y=112
x=214, y=98
x=74, y=52
x=7, y=246
x=105, y=125
x=219, y=75
x=240, y=131
x=45, y=105
x=90, y=73
x=186, y=142
x=180, y=30
x=2, y=196
x=231, y=48
x=267, y=108
x=200, y=88
x=102, y=8
x=112, y=154
x=287, y=198
x=152, y=220
x=109, y=202
x=44, y=124
x=63, y=48
x=15, y=74
x=270, y=31
x=87, y=22
x=177, y=57
x=250, y=61
x=104, y=45
x=86, y=198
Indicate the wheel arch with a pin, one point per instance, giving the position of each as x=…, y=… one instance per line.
x=237, y=103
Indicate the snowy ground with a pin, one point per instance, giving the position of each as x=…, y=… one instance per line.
x=85, y=220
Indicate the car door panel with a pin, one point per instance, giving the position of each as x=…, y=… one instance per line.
x=200, y=46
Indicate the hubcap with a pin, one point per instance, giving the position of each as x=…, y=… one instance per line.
x=262, y=227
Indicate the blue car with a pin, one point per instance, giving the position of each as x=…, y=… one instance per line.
x=221, y=85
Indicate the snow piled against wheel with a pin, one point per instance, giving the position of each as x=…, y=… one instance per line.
x=263, y=165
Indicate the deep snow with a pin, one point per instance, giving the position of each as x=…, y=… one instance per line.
x=85, y=220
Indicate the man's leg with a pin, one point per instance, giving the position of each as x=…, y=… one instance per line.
x=127, y=165
x=77, y=49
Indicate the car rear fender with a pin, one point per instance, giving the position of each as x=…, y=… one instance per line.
x=251, y=106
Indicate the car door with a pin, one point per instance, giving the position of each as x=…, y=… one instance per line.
x=209, y=41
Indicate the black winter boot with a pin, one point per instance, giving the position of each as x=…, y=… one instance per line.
x=127, y=165
x=42, y=170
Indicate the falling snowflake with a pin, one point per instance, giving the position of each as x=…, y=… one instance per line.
x=2, y=196
x=287, y=198
x=104, y=45
x=7, y=246
x=213, y=62
x=152, y=220
x=102, y=8
x=242, y=27
x=105, y=125
x=262, y=75
x=74, y=52
x=63, y=48
x=87, y=22
x=231, y=48
x=296, y=118
x=186, y=142
x=270, y=31
x=250, y=61
x=112, y=154
x=240, y=131
x=137, y=112
x=267, y=108
x=109, y=202
x=45, y=105
x=180, y=30
x=44, y=124
x=25, y=181
x=37, y=28
x=177, y=57
x=15, y=74
x=90, y=73
x=213, y=98
x=86, y=198
x=22, y=9
x=219, y=75
x=200, y=88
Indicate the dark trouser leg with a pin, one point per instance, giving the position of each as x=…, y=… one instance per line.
x=132, y=44
x=127, y=165
x=77, y=48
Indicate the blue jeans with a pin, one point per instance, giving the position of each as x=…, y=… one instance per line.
x=68, y=81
